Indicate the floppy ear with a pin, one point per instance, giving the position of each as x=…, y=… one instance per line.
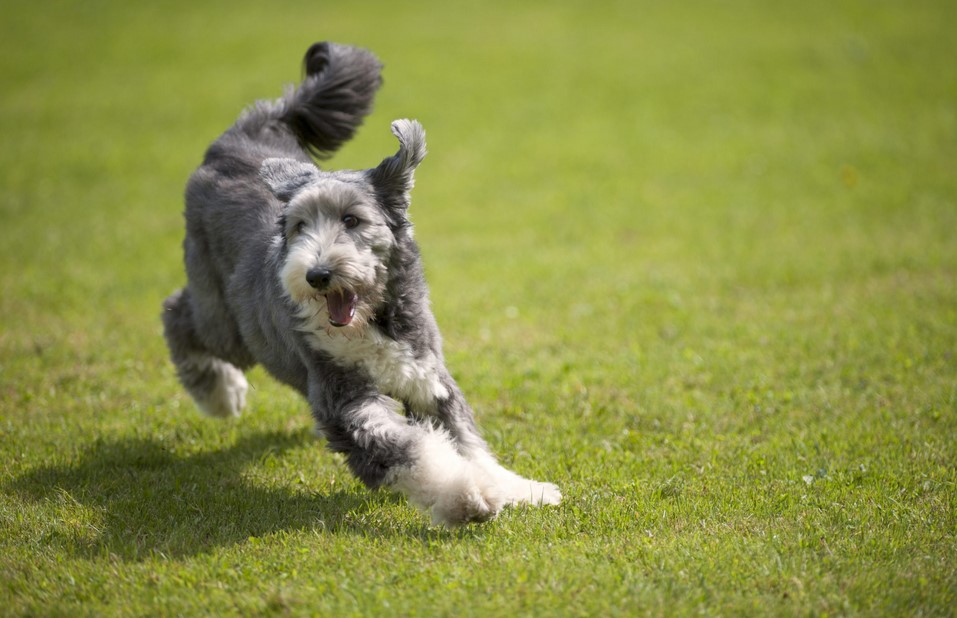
x=394, y=177
x=285, y=177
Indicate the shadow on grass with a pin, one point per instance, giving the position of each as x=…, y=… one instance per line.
x=150, y=500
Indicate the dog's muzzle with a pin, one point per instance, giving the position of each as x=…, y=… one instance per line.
x=341, y=304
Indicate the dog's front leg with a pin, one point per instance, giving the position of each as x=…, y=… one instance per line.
x=456, y=415
x=384, y=448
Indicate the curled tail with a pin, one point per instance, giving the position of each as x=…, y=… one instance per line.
x=336, y=94
x=325, y=110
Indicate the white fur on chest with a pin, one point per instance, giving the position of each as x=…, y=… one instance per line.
x=392, y=365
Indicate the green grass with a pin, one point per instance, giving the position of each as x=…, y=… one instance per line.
x=694, y=262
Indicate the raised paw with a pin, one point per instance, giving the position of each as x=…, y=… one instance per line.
x=227, y=397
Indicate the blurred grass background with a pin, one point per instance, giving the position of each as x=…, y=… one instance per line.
x=693, y=262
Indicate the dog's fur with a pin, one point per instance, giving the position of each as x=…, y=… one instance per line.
x=315, y=275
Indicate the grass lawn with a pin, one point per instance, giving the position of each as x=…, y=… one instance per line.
x=694, y=262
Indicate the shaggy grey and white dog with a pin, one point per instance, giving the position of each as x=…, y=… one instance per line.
x=315, y=275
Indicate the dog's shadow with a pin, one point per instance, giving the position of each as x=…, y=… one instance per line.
x=147, y=500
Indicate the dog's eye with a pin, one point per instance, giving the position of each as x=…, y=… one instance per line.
x=350, y=221
x=300, y=227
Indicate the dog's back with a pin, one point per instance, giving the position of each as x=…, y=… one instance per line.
x=230, y=214
x=317, y=117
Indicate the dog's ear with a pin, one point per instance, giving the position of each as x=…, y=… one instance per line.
x=394, y=177
x=286, y=177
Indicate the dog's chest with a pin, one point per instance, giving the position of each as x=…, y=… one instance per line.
x=392, y=365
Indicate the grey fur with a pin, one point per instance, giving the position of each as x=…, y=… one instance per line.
x=277, y=252
x=286, y=177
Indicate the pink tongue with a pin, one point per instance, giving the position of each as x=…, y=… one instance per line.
x=342, y=307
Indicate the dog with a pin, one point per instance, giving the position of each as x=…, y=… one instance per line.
x=315, y=275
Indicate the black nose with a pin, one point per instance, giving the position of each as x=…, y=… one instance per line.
x=319, y=278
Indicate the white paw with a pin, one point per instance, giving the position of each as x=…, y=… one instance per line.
x=526, y=491
x=228, y=397
x=446, y=485
x=466, y=507
x=516, y=489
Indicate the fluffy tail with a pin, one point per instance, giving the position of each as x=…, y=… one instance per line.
x=333, y=99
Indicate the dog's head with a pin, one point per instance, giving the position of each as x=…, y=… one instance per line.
x=338, y=229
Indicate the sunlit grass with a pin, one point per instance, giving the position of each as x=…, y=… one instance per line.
x=695, y=263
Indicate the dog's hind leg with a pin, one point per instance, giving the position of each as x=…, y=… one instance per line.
x=217, y=386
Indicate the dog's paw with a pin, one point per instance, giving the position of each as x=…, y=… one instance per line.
x=515, y=489
x=227, y=397
x=471, y=506
x=527, y=491
x=518, y=490
x=487, y=491
x=446, y=485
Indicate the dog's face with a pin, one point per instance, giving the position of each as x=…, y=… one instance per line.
x=338, y=243
x=338, y=229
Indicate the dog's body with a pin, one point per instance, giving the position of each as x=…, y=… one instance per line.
x=315, y=275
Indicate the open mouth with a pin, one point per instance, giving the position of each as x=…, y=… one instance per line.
x=341, y=305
